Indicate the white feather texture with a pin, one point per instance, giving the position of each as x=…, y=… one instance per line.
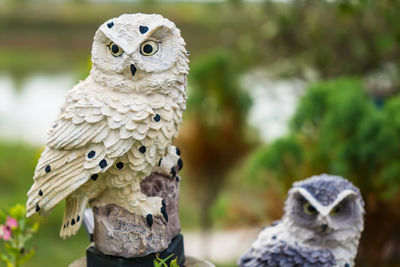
x=117, y=124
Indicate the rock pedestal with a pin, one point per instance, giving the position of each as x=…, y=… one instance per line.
x=125, y=239
x=118, y=232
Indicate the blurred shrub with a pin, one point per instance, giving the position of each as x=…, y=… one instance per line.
x=332, y=37
x=214, y=133
x=337, y=129
x=14, y=234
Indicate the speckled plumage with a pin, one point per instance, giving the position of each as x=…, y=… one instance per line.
x=117, y=124
x=280, y=253
x=327, y=236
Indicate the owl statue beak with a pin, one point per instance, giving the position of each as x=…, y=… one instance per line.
x=133, y=69
x=325, y=229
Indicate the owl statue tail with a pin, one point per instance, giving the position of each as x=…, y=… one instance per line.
x=73, y=215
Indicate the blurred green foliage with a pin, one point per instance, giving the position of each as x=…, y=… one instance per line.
x=331, y=37
x=15, y=252
x=338, y=129
x=158, y=262
x=215, y=129
x=17, y=161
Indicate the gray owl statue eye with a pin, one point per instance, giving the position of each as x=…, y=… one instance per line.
x=321, y=226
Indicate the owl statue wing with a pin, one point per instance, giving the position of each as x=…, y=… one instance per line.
x=270, y=250
x=85, y=141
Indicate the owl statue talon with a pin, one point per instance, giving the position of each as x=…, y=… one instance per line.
x=173, y=172
x=164, y=211
x=321, y=226
x=149, y=219
x=113, y=128
x=171, y=163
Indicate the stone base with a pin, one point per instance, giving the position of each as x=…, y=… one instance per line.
x=190, y=262
x=97, y=259
x=121, y=233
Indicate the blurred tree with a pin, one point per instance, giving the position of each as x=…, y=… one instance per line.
x=337, y=129
x=334, y=38
x=214, y=133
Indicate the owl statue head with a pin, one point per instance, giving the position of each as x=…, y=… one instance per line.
x=326, y=211
x=139, y=52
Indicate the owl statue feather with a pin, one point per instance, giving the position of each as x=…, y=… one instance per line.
x=321, y=226
x=117, y=125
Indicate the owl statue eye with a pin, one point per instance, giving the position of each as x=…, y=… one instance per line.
x=309, y=209
x=149, y=48
x=115, y=50
x=337, y=210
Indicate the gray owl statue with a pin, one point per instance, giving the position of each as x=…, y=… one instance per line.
x=321, y=226
x=116, y=126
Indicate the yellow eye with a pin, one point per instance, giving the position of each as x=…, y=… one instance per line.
x=336, y=210
x=115, y=50
x=309, y=209
x=148, y=48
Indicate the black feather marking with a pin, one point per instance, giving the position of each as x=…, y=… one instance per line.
x=47, y=169
x=164, y=212
x=103, y=163
x=142, y=149
x=180, y=163
x=143, y=29
x=91, y=154
x=157, y=118
x=120, y=165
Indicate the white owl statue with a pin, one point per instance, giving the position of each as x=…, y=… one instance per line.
x=321, y=226
x=116, y=127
